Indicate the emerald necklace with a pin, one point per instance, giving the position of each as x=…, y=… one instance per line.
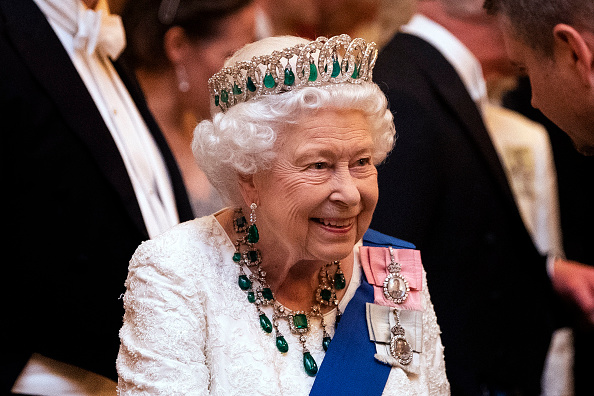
x=259, y=293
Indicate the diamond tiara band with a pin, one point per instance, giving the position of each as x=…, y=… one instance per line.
x=339, y=59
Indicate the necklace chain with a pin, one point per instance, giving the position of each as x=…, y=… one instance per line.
x=247, y=256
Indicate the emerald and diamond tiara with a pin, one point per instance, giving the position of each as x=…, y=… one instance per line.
x=324, y=61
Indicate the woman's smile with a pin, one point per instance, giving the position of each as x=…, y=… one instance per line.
x=335, y=224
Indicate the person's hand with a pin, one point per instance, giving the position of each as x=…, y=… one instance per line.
x=575, y=281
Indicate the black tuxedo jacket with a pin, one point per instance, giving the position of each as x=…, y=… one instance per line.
x=444, y=189
x=73, y=220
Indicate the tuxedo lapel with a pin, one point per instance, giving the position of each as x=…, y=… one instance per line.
x=450, y=87
x=184, y=208
x=40, y=48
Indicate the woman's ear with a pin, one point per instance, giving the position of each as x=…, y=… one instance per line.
x=175, y=44
x=576, y=48
x=248, y=189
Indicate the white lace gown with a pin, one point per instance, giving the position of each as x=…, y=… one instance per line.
x=189, y=329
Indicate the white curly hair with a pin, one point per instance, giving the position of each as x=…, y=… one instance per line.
x=242, y=140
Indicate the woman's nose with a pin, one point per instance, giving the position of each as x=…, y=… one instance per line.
x=345, y=189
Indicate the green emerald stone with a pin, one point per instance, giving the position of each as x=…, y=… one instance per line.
x=269, y=81
x=355, y=72
x=253, y=236
x=326, y=343
x=289, y=77
x=326, y=294
x=236, y=89
x=250, y=85
x=237, y=257
x=335, y=68
x=313, y=72
x=309, y=364
x=251, y=297
x=300, y=321
x=244, y=282
x=265, y=323
x=267, y=293
x=252, y=255
x=240, y=222
x=224, y=96
x=281, y=344
x=216, y=100
x=339, y=281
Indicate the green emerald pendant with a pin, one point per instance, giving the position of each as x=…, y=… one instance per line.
x=236, y=89
x=224, y=96
x=335, y=68
x=251, y=297
x=269, y=81
x=216, y=100
x=253, y=236
x=240, y=223
x=244, y=282
x=339, y=281
x=252, y=256
x=267, y=293
x=250, y=85
x=355, y=72
x=281, y=344
x=313, y=72
x=300, y=321
x=309, y=364
x=326, y=343
x=265, y=323
x=289, y=77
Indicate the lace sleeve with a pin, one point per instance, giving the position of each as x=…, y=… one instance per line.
x=432, y=359
x=162, y=349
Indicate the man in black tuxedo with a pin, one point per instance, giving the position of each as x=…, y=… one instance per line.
x=576, y=194
x=77, y=199
x=444, y=189
x=553, y=42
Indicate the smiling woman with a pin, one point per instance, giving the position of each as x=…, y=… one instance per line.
x=246, y=301
x=317, y=198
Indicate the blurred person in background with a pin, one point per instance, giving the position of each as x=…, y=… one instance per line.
x=446, y=187
x=174, y=46
x=553, y=43
x=89, y=176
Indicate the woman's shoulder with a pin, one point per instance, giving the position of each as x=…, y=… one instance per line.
x=183, y=249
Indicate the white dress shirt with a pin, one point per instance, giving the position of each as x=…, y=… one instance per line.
x=464, y=62
x=142, y=158
x=91, y=38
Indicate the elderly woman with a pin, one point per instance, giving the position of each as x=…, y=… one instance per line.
x=249, y=300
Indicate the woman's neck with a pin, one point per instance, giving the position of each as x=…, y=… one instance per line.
x=298, y=289
x=293, y=283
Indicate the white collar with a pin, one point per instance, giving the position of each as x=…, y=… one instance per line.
x=466, y=64
x=90, y=29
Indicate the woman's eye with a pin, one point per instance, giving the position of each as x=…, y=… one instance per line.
x=319, y=165
x=364, y=161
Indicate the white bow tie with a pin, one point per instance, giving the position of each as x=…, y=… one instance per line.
x=97, y=30
x=91, y=30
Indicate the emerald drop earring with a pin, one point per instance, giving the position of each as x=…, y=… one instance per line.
x=253, y=236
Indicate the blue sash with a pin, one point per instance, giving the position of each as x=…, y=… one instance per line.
x=349, y=367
